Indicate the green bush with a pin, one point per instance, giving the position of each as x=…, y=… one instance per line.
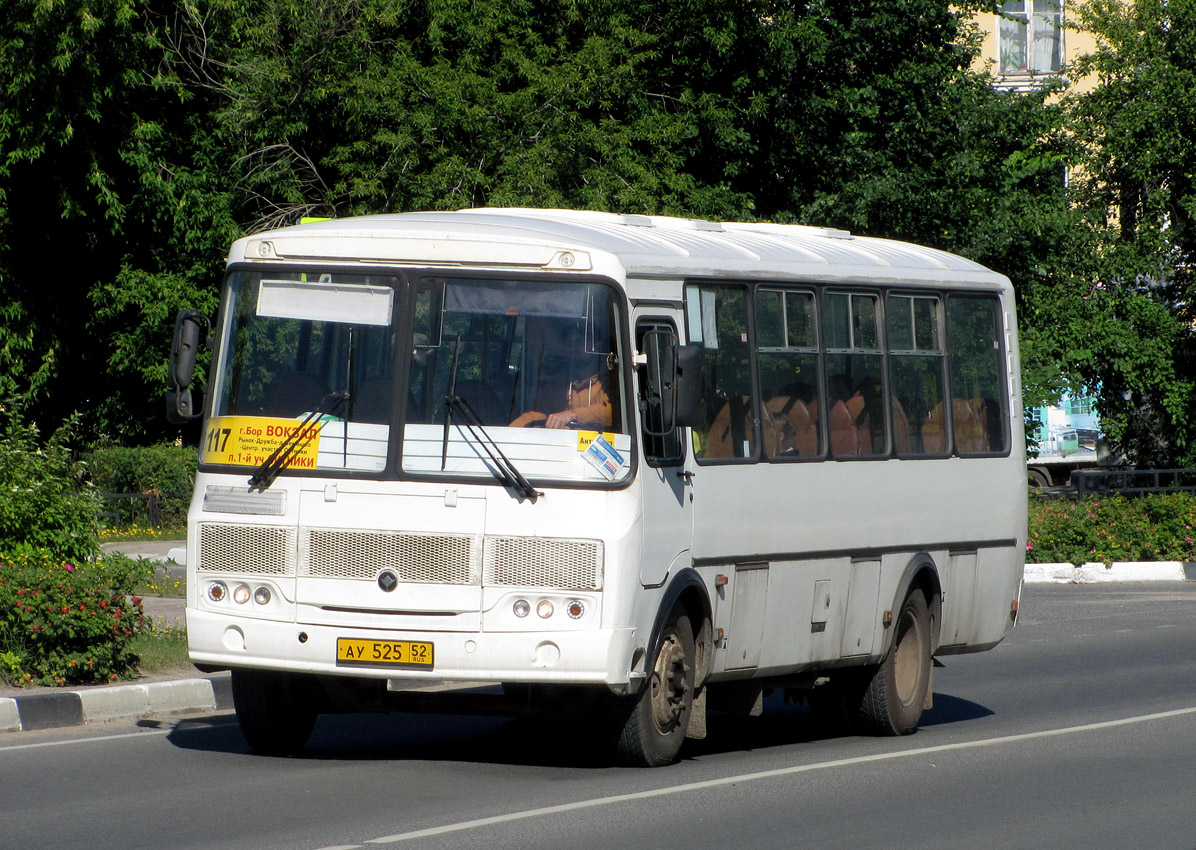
x=167, y=470
x=1156, y=527
x=45, y=501
x=68, y=623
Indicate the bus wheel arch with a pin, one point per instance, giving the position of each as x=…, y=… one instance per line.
x=650, y=725
x=687, y=592
x=900, y=688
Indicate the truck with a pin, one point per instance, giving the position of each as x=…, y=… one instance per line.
x=1068, y=437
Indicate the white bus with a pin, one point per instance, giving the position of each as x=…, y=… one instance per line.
x=635, y=465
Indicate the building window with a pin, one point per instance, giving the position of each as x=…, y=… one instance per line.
x=1031, y=37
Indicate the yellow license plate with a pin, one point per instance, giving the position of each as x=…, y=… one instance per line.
x=356, y=652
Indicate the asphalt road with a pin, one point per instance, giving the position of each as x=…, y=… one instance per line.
x=1078, y=732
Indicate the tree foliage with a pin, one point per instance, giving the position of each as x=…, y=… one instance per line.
x=1134, y=345
x=139, y=137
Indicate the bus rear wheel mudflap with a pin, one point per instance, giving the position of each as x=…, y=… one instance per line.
x=650, y=726
x=275, y=710
x=896, y=693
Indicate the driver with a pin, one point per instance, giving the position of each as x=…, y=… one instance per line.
x=582, y=398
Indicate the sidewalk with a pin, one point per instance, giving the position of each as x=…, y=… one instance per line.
x=186, y=691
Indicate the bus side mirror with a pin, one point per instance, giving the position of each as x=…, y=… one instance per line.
x=688, y=411
x=673, y=383
x=189, y=328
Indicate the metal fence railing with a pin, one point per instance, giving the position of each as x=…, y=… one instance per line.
x=150, y=510
x=1133, y=482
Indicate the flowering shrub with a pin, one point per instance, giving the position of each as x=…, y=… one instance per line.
x=65, y=623
x=45, y=501
x=1156, y=527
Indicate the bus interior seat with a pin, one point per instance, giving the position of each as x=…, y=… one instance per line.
x=934, y=432
x=971, y=425
x=845, y=440
x=790, y=429
x=731, y=430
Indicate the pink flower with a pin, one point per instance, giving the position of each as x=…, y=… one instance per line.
x=70, y=568
x=1029, y=545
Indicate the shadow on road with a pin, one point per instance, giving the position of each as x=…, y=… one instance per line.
x=566, y=743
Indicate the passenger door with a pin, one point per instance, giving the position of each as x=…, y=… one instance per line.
x=664, y=480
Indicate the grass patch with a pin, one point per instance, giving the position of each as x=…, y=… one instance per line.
x=161, y=650
x=163, y=582
x=127, y=533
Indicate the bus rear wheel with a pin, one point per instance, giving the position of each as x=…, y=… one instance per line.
x=651, y=726
x=896, y=692
x=275, y=710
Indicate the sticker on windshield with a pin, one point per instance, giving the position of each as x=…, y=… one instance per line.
x=249, y=440
x=602, y=456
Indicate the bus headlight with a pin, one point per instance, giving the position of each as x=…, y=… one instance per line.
x=241, y=594
x=576, y=609
x=521, y=608
x=262, y=595
x=544, y=609
x=217, y=591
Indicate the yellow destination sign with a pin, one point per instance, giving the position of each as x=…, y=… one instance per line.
x=249, y=440
x=584, y=438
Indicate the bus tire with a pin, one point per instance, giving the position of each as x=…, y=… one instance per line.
x=650, y=726
x=276, y=711
x=896, y=692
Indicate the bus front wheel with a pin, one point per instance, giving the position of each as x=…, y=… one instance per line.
x=651, y=726
x=896, y=692
x=276, y=711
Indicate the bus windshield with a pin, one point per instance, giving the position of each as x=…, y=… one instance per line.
x=539, y=357
x=312, y=360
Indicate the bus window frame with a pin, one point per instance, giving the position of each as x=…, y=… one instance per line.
x=944, y=356
x=817, y=351
x=649, y=322
x=1002, y=363
x=748, y=288
x=406, y=286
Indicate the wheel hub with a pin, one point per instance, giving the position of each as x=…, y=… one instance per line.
x=670, y=684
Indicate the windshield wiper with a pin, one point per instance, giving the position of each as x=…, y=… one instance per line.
x=503, y=468
x=295, y=441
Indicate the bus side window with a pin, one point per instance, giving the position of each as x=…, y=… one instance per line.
x=854, y=368
x=916, y=376
x=660, y=448
x=717, y=320
x=787, y=361
x=977, y=358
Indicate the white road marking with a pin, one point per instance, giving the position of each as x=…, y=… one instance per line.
x=768, y=774
x=145, y=733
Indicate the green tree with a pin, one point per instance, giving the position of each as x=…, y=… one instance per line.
x=1136, y=186
x=159, y=130
x=106, y=224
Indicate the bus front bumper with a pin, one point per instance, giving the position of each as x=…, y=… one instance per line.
x=597, y=656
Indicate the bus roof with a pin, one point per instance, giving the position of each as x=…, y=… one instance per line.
x=645, y=246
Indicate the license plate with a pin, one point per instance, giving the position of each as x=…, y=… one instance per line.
x=358, y=652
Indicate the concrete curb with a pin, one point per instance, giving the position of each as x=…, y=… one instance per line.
x=1117, y=571
x=115, y=702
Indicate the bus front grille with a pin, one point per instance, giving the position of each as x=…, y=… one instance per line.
x=253, y=549
x=543, y=562
x=413, y=557
x=462, y=559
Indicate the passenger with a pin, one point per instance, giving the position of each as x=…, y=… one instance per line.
x=572, y=383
